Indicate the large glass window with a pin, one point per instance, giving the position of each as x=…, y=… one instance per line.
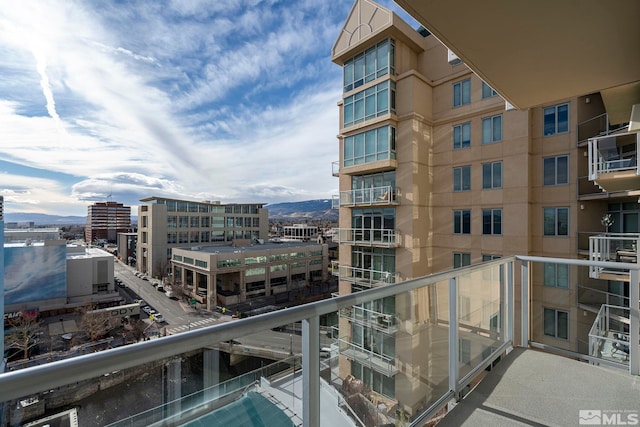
x=491, y=221
x=556, y=275
x=461, y=259
x=492, y=129
x=556, y=170
x=462, y=178
x=370, y=103
x=462, y=93
x=462, y=136
x=375, y=62
x=462, y=221
x=487, y=91
x=556, y=119
x=556, y=323
x=556, y=221
x=492, y=175
x=370, y=146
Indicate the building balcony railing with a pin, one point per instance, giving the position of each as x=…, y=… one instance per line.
x=387, y=323
x=609, y=335
x=596, y=127
x=363, y=276
x=368, y=237
x=385, y=195
x=613, y=164
x=592, y=299
x=616, y=247
x=179, y=379
x=386, y=365
x=335, y=168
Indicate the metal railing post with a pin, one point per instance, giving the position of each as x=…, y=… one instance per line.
x=454, y=345
x=311, y=371
x=634, y=322
x=524, y=303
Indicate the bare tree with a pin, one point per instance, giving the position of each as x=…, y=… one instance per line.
x=135, y=329
x=96, y=323
x=24, y=335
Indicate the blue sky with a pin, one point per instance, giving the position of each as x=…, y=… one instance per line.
x=230, y=100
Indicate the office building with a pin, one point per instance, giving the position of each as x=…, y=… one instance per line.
x=270, y=273
x=165, y=223
x=438, y=171
x=105, y=220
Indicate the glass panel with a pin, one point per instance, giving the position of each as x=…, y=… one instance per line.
x=486, y=131
x=563, y=118
x=549, y=121
x=550, y=322
x=497, y=175
x=563, y=170
x=549, y=165
x=563, y=324
x=486, y=175
x=497, y=128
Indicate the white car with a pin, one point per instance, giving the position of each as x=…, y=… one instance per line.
x=159, y=318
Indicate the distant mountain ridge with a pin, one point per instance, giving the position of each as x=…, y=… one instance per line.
x=309, y=210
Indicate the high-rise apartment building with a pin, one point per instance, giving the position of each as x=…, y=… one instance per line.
x=436, y=171
x=105, y=220
x=164, y=224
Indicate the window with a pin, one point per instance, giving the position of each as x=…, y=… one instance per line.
x=556, y=170
x=370, y=103
x=556, y=119
x=462, y=136
x=492, y=175
x=462, y=178
x=556, y=275
x=492, y=129
x=370, y=146
x=491, y=221
x=462, y=93
x=460, y=259
x=462, y=222
x=488, y=257
x=194, y=222
x=556, y=323
x=556, y=221
x=487, y=91
x=370, y=65
x=183, y=222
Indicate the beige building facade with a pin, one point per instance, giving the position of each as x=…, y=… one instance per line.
x=438, y=171
x=165, y=223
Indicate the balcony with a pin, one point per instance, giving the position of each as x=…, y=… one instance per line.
x=368, y=237
x=368, y=278
x=455, y=326
x=374, y=196
x=383, y=322
x=609, y=335
x=615, y=247
x=613, y=164
x=335, y=168
x=596, y=127
x=386, y=365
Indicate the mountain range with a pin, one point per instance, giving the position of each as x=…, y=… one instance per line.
x=310, y=210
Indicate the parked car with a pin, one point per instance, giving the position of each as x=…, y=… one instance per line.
x=146, y=309
x=160, y=288
x=144, y=277
x=159, y=318
x=139, y=301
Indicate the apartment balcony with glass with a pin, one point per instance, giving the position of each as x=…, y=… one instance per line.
x=458, y=325
x=373, y=196
x=365, y=277
x=368, y=237
x=613, y=164
x=371, y=318
x=615, y=247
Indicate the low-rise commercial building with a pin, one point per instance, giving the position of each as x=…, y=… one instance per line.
x=228, y=275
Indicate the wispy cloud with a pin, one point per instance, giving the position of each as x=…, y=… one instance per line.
x=233, y=100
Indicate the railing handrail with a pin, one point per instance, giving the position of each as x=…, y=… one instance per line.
x=27, y=381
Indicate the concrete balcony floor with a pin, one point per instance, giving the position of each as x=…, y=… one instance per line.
x=530, y=387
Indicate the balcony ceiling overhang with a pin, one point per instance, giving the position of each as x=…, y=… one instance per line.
x=539, y=52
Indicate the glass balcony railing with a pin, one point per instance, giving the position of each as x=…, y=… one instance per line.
x=617, y=247
x=384, y=195
x=363, y=276
x=595, y=298
x=368, y=237
x=595, y=127
x=384, y=322
x=335, y=168
x=613, y=154
x=609, y=335
x=451, y=327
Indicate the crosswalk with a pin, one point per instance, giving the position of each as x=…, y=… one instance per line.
x=192, y=325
